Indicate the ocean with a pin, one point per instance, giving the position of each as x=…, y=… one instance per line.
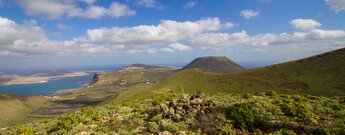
x=47, y=87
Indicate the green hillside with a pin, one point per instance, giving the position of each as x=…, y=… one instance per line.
x=318, y=75
x=243, y=114
x=15, y=108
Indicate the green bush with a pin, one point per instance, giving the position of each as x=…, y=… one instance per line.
x=241, y=114
x=152, y=127
x=270, y=93
x=24, y=130
x=296, y=109
x=320, y=131
x=227, y=129
x=287, y=132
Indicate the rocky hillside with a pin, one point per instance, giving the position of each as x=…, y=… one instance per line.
x=214, y=64
x=243, y=114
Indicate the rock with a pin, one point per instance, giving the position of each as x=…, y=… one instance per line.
x=179, y=112
x=198, y=95
x=178, y=116
x=174, y=102
x=181, y=133
x=179, y=108
x=172, y=111
x=166, y=133
x=185, y=98
x=164, y=107
x=194, y=110
x=198, y=107
x=95, y=78
x=82, y=133
x=196, y=101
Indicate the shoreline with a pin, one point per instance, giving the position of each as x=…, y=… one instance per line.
x=32, y=79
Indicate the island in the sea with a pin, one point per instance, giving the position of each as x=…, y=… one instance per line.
x=41, y=77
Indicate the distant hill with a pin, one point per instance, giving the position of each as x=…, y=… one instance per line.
x=214, y=64
x=52, y=73
x=147, y=66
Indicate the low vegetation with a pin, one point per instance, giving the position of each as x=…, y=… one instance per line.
x=14, y=108
x=259, y=113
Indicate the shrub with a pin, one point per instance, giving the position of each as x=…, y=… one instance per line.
x=227, y=129
x=320, y=131
x=287, y=132
x=270, y=93
x=152, y=127
x=241, y=114
x=24, y=130
x=296, y=109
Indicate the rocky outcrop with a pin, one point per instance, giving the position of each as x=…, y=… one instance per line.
x=186, y=107
x=95, y=78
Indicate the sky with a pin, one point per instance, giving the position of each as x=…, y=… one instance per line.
x=40, y=34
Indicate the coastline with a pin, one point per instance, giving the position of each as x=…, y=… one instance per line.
x=32, y=79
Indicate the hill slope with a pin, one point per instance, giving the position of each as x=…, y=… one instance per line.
x=242, y=114
x=214, y=64
x=318, y=75
x=15, y=108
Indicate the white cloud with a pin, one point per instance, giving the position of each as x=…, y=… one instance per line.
x=61, y=26
x=29, y=39
x=166, y=31
x=229, y=25
x=218, y=41
x=93, y=12
x=10, y=31
x=176, y=47
x=54, y=9
x=309, y=37
x=190, y=4
x=305, y=24
x=149, y=4
x=306, y=34
x=249, y=13
x=336, y=5
x=118, y=10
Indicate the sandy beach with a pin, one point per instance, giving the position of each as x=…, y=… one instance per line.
x=17, y=79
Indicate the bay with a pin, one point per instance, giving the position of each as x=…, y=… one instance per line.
x=47, y=87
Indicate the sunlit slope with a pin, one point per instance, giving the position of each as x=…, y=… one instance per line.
x=323, y=74
x=15, y=108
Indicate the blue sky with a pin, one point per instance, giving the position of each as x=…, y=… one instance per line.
x=76, y=33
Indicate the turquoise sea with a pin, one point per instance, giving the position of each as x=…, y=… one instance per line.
x=47, y=87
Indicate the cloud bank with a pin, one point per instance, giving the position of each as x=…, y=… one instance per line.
x=28, y=39
x=54, y=9
x=336, y=5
